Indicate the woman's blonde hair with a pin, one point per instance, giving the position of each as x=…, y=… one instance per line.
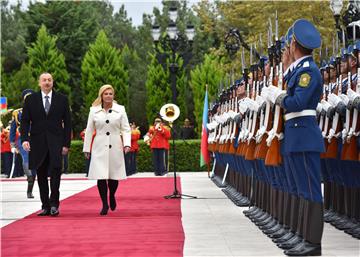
x=98, y=100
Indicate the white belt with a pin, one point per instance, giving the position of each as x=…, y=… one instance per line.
x=293, y=115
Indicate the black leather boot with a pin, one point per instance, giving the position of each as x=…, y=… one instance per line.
x=102, y=187
x=113, y=185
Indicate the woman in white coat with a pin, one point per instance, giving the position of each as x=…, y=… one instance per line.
x=112, y=140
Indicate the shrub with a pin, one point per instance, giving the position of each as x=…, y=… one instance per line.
x=187, y=157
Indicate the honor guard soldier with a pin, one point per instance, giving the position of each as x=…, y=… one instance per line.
x=303, y=141
x=16, y=144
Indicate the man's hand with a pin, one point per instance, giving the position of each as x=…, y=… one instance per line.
x=65, y=150
x=87, y=155
x=126, y=149
x=26, y=146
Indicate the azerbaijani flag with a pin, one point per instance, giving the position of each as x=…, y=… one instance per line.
x=204, y=156
x=3, y=104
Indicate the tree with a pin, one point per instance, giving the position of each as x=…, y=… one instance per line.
x=209, y=73
x=16, y=83
x=121, y=31
x=158, y=91
x=13, y=34
x=44, y=57
x=102, y=65
x=137, y=92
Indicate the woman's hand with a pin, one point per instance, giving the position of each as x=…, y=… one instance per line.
x=87, y=155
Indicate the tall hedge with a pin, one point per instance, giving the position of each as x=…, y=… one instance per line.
x=187, y=157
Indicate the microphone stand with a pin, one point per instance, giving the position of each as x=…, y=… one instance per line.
x=176, y=194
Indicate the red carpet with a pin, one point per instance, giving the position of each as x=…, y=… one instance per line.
x=144, y=224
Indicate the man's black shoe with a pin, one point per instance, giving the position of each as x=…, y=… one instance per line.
x=292, y=242
x=305, y=249
x=44, y=212
x=54, y=211
x=281, y=232
x=284, y=238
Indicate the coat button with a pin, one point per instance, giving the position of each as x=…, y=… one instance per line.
x=295, y=124
x=107, y=133
x=110, y=111
x=109, y=146
x=107, y=121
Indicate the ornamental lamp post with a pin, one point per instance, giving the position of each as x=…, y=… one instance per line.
x=175, y=42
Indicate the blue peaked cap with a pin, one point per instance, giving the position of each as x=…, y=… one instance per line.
x=265, y=58
x=283, y=42
x=288, y=36
x=332, y=62
x=357, y=45
x=323, y=65
x=306, y=34
x=343, y=53
x=26, y=92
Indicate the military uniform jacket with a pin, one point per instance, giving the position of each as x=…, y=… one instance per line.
x=159, y=137
x=304, y=88
x=14, y=126
x=48, y=133
x=112, y=134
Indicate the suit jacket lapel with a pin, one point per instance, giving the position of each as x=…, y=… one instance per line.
x=41, y=105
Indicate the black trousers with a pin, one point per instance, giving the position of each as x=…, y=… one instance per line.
x=132, y=163
x=159, y=161
x=55, y=175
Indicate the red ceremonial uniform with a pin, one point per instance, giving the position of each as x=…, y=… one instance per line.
x=135, y=136
x=159, y=137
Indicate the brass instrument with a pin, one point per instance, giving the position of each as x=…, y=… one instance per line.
x=170, y=112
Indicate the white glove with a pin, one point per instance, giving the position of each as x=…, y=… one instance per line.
x=217, y=119
x=273, y=93
x=352, y=94
x=264, y=92
x=319, y=107
x=333, y=99
x=231, y=114
x=13, y=150
x=260, y=100
x=244, y=105
x=325, y=105
x=344, y=98
x=225, y=117
x=253, y=105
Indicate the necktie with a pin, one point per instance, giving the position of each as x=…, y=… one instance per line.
x=47, y=104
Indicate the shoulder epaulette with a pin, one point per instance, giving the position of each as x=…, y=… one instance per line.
x=15, y=115
x=135, y=131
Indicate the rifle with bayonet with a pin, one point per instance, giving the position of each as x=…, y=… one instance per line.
x=251, y=140
x=266, y=125
x=334, y=132
x=273, y=155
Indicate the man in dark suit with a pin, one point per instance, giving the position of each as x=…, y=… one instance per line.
x=46, y=134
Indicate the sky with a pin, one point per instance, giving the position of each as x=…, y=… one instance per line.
x=135, y=8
